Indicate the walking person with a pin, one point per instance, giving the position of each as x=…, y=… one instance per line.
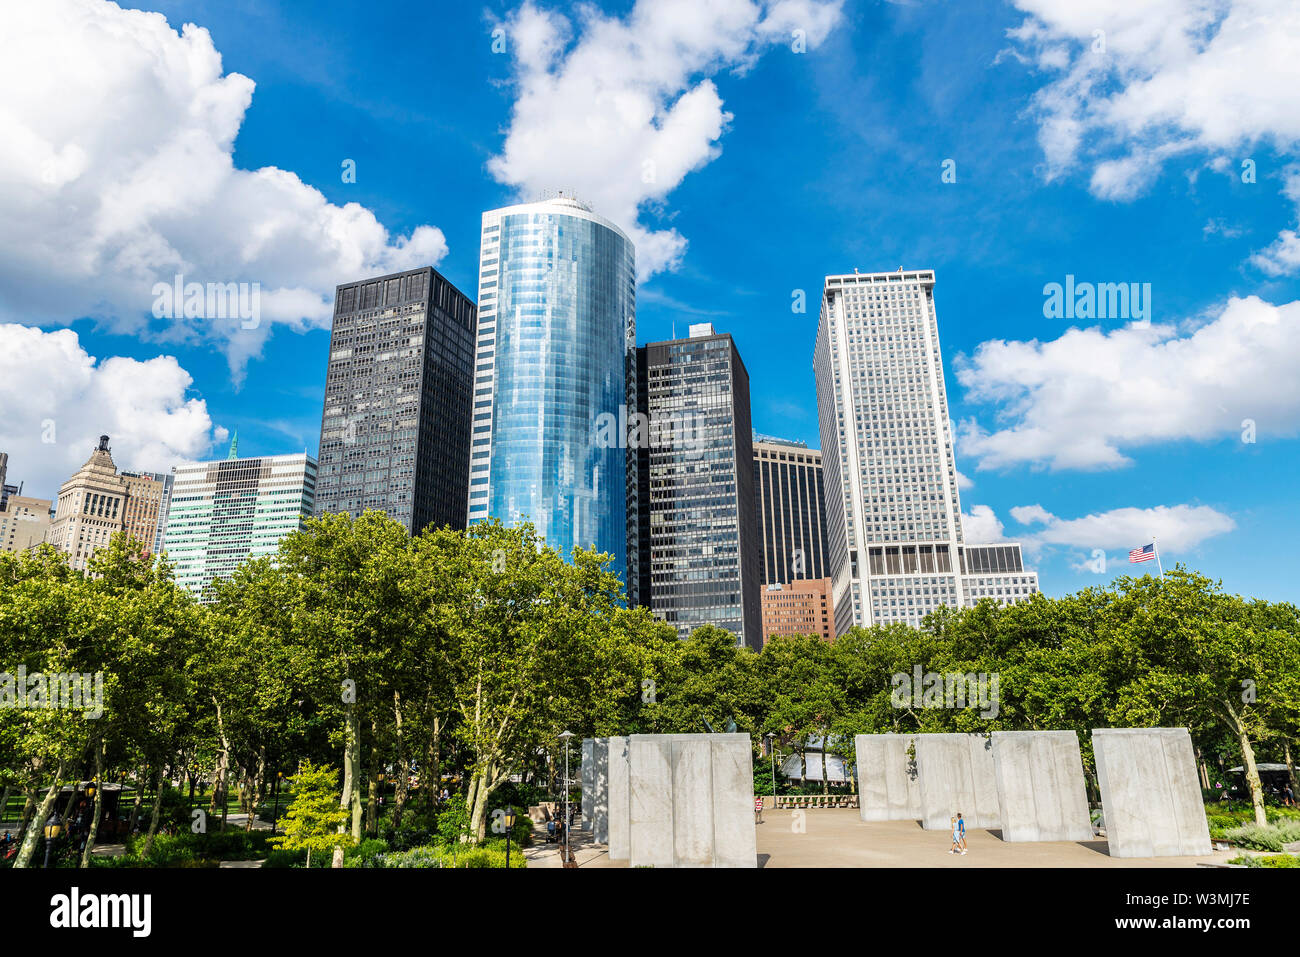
x=758, y=809
x=959, y=834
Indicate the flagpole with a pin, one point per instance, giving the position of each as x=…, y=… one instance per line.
x=1160, y=566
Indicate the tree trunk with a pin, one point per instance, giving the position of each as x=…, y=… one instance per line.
x=159, y=786
x=372, y=784
x=4, y=805
x=97, y=809
x=33, y=833
x=139, y=800
x=1248, y=761
x=255, y=789
x=29, y=808
x=480, y=790
x=219, y=785
x=1204, y=772
x=403, y=768
x=350, y=799
x=1290, y=766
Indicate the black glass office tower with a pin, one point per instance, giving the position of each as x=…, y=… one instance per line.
x=789, y=497
x=395, y=431
x=700, y=538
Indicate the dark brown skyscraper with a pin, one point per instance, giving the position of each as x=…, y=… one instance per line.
x=700, y=539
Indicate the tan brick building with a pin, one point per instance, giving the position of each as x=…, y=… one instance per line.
x=97, y=503
x=23, y=522
x=802, y=607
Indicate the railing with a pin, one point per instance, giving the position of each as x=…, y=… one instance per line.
x=816, y=800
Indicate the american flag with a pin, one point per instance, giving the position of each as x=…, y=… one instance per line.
x=1144, y=554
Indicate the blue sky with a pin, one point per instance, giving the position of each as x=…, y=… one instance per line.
x=1118, y=168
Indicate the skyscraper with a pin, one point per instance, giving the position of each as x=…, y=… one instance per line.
x=893, y=514
x=145, y=515
x=790, y=500
x=223, y=513
x=91, y=507
x=704, y=547
x=556, y=354
x=395, y=427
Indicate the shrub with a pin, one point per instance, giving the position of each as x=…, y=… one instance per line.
x=1269, y=860
x=363, y=854
x=418, y=828
x=448, y=856
x=453, y=820
x=1270, y=838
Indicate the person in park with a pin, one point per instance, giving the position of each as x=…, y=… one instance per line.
x=758, y=809
x=958, y=835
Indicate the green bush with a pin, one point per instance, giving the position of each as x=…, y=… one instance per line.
x=1269, y=860
x=418, y=828
x=363, y=854
x=1270, y=838
x=438, y=855
x=453, y=820
x=358, y=855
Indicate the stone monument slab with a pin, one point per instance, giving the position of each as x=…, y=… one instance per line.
x=1041, y=792
x=955, y=775
x=1150, y=794
x=888, y=788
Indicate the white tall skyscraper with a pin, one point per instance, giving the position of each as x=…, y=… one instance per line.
x=893, y=513
x=224, y=513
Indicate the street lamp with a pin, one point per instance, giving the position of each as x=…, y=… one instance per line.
x=510, y=826
x=565, y=736
x=53, y=828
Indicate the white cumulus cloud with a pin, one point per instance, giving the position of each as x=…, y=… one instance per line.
x=621, y=109
x=58, y=399
x=116, y=173
x=1136, y=82
x=981, y=526
x=1177, y=529
x=1079, y=401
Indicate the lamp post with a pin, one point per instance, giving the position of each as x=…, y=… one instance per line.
x=53, y=828
x=510, y=826
x=565, y=736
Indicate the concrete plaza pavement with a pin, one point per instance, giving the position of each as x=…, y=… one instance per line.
x=837, y=837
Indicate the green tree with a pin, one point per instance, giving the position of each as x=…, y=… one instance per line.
x=314, y=819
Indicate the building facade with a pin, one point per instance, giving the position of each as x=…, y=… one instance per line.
x=224, y=513
x=6, y=489
x=555, y=358
x=395, y=426
x=704, y=546
x=790, y=498
x=91, y=508
x=893, y=513
x=23, y=522
x=144, y=516
x=803, y=607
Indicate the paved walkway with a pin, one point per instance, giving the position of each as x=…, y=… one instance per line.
x=836, y=837
x=586, y=852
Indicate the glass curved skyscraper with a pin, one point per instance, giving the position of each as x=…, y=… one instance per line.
x=556, y=353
